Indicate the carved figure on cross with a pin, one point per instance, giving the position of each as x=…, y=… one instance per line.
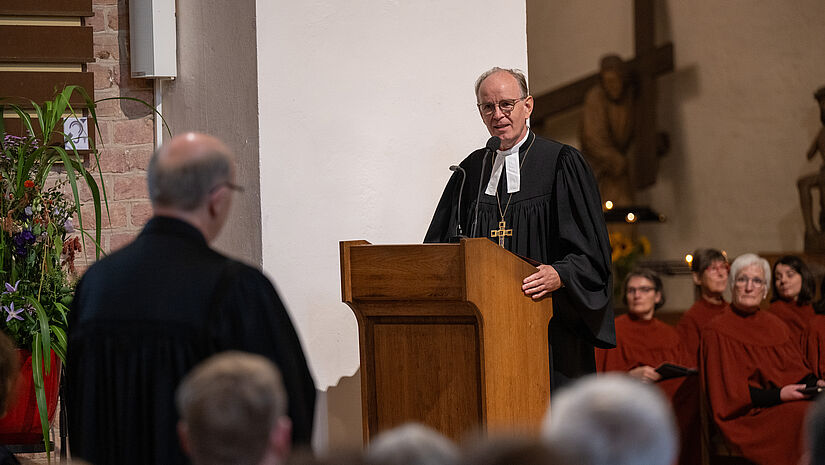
x=649, y=63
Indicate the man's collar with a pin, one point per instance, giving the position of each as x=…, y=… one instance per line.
x=174, y=226
x=514, y=149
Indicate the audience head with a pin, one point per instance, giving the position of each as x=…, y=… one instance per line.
x=612, y=419
x=749, y=277
x=192, y=178
x=411, y=444
x=710, y=272
x=792, y=280
x=9, y=371
x=643, y=293
x=511, y=451
x=233, y=410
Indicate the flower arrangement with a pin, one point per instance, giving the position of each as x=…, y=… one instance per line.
x=38, y=241
x=625, y=252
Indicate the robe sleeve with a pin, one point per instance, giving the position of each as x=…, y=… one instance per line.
x=443, y=224
x=688, y=330
x=727, y=387
x=584, y=249
x=253, y=319
x=813, y=345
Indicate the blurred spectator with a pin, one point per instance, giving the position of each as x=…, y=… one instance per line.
x=412, y=444
x=233, y=412
x=612, y=419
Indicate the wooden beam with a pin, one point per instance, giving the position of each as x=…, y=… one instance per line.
x=572, y=94
x=21, y=86
x=47, y=44
x=46, y=8
x=643, y=166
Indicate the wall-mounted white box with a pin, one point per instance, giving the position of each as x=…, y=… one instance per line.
x=153, y=38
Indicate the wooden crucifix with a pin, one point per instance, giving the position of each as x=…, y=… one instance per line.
x=650, y=62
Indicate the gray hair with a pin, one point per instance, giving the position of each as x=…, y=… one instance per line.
x=186, y=186
x=412, y=444
x=229, y=404
x=744, y=261
x=612, y=419
x=517, y=74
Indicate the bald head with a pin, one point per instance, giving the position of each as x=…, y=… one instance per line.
x=186, y=169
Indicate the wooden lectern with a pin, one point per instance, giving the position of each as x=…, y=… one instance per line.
x=447, y=337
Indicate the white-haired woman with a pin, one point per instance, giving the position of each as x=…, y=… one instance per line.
x=754, y=372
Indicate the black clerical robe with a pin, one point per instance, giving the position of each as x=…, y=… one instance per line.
x=142, y=317
x=557, y=219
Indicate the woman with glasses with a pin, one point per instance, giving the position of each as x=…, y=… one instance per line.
x=644, y=343
x=710, y=275
x=754, y=372
x=793, y=290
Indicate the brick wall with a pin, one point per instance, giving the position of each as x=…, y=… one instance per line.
x=127, y=134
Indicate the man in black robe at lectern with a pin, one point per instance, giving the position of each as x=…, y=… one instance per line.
x=538, y=199
x=145, y=315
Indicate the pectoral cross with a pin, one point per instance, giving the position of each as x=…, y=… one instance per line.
x=501, y=232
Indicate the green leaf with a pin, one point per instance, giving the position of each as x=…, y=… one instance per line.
x=40, y=390
x=45, y=333
x=60, y=343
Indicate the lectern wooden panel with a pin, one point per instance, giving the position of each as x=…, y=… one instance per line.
x=447, y=338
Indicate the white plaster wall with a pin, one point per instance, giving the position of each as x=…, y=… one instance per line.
x=739, y=109
x=363, y=106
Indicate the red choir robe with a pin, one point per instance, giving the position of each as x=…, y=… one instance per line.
x=794, y=315
x=692, y=323
x=740, y=351
x=814, y=345
x=653, y=342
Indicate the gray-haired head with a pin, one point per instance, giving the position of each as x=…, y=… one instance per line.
x=612, y=419
x=412, y=444
x=517, y=75
x=229, y=405
x=184, y=171
x=744, y=261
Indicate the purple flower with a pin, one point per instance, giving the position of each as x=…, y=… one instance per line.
x=12, y=313
x=10, y=289
x=28, y=236
x=68, y=226
x=28, y=210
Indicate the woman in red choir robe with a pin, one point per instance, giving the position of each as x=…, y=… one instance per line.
x=814, y=339
x=643, y=343
x=710, y=275
x=793, y=290
x=753, y=371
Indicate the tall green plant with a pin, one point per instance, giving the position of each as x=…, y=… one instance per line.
x=36, y=243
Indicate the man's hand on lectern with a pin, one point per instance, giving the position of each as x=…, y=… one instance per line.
x=542, y=282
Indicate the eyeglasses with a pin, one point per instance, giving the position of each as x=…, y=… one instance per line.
x=506, y=106
x=228, y=185
x=743, y=281
x=640, y=290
